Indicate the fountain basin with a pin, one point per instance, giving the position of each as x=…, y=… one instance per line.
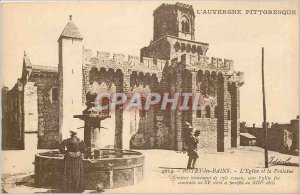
x=110, y=170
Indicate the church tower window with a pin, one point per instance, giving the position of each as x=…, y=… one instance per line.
x=185, y=25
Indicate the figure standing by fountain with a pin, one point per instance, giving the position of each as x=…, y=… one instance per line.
x=193, y=142
x=73, y=148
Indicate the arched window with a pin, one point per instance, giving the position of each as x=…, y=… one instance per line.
x=185, y=25
x=207, y=112
x=228, y=115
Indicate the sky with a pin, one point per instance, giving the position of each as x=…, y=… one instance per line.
x=125, y=27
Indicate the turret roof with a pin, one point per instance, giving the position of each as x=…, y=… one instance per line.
x=70, y=30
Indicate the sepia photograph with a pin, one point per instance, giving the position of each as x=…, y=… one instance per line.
x=150, y=97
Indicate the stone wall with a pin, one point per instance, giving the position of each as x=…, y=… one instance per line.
x=12, y=120
x=208, y=133
x=30, y=116
x=280, y=138
x=47, y=109
x=30, y=107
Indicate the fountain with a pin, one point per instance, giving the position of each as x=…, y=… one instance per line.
x=109, y=167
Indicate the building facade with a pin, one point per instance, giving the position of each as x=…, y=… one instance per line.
x=173, y=62
x=281, y=137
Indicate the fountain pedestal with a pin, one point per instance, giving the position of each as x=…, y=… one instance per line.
x=109, y=167
x=92, y=126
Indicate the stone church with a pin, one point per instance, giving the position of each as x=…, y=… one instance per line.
x=38, y=111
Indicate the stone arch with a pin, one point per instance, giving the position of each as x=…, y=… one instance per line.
x=199, y=75
x=194, y=49
x=107, y=80
x=140, y=78
x=220, y=74
x=182, y=47
x=102, y=75
x=100, y=85
x=207, y=72
x=142, y=122
x=177, y=46
x=214, y=74
x=199, y=50
x=133, y=78
x=93, y=73
x=110, y=77
x=188, y=48
x=119, y=79
x=102, y=70
x=154, y=82
x=147, y=79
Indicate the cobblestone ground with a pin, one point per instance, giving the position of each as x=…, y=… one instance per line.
x=17, y=171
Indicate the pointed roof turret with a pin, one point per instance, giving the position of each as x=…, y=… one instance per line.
x=70, y=30
x=27, y=67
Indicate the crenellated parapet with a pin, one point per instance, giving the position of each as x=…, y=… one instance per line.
x=134, y=60
x=103, y=55
x=118, y=58
x=199, y=62
x=124, y=63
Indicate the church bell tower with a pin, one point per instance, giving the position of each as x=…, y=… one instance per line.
x=174, y=19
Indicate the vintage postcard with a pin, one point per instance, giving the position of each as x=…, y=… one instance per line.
x=150, y=97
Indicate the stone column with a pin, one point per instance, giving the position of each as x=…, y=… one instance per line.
x=233, y=115
x=122, y=134
x=222, y=127
x=178, y=114
x=194, y=91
